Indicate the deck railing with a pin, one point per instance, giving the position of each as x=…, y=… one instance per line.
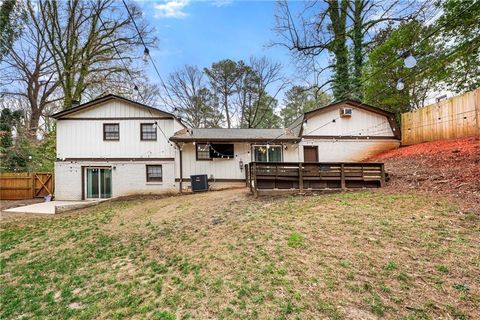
x=311, y=176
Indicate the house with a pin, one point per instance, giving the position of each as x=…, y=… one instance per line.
x=112, y=146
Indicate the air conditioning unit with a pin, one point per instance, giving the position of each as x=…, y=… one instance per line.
x=199, y=182
x=345, y=112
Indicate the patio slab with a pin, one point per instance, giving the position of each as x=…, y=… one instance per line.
x=52, y=207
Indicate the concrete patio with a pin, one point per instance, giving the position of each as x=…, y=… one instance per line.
x=52, y=207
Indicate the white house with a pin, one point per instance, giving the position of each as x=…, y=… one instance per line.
x=112, y=146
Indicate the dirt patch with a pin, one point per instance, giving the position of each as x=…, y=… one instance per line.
x=448, y=167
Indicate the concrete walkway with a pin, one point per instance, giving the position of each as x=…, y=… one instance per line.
x=52, y=207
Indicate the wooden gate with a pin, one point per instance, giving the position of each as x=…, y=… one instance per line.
x=25, y=185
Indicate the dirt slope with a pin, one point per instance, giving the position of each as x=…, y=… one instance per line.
x=447, y=167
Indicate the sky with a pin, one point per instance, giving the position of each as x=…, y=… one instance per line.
x=202, y=32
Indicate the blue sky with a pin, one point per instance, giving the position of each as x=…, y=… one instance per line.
x=202, y=32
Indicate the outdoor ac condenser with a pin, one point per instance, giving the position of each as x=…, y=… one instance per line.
x=199, y=182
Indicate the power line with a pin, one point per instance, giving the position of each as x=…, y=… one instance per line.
x=410, y=50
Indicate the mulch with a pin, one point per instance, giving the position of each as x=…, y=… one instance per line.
x=450, y=167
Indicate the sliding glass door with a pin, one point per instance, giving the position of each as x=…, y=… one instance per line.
x=98, y=183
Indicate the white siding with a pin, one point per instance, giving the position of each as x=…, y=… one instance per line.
x=332, y=150
x=361, y=123
x=116, y=109
x=84, y=138
x=225, y=168
x=127, y=178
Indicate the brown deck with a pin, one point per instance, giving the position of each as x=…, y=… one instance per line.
x=291, y=177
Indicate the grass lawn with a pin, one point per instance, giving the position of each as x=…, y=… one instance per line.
x=226, y=255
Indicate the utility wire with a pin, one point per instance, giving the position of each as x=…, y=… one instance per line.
x=410, y=50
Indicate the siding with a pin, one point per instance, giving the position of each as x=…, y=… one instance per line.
x=225, y=168
x=361, y=123
x=330, y=150
x=116, y=109
x=84, y=138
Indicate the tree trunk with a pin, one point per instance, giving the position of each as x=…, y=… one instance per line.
x=225, y=104
x=357, y=50
x=338, y=17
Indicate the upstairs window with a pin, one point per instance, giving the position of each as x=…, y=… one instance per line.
x=111, y=131
x=148, y=131
x=154, y=173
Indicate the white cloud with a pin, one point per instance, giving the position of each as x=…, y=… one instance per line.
x=221, y=3
x=171, y=9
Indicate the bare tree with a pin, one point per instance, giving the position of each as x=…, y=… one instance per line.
x=83, y=37
x=189, y=95
x=139, y=90
x=28, y=73
x=340, y=28
x=260, y=77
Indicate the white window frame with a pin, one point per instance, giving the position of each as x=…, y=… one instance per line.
x=264, y=145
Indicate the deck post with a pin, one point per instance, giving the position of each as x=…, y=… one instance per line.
x=300, y=176
x=342, y=176
x=255, y=179
x=382, y=181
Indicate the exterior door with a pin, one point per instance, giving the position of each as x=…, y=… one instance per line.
x=98, y=184
x=310, y=154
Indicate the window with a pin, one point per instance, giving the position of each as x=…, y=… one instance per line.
x=267, y=153
x=210, y=151
x=203, y=151
x=148, y=131
x=111, y=131
x=154, y=173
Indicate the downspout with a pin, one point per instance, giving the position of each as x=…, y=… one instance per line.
x=181, y=168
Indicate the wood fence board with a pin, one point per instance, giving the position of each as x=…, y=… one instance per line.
x=25, y=185
x=454, y=118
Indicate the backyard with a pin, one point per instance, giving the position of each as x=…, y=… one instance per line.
x=356, y=255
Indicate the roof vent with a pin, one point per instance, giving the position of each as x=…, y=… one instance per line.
x=345, y=112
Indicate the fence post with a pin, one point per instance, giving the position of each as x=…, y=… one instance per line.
x=342, y=176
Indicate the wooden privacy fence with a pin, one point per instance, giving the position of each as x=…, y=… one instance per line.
x=311, y=176
x=25, y=185
x=448, y=119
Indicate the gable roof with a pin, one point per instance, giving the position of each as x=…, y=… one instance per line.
x=353, y=103
x=297, y=127
x=235, y=135
x=95, y=102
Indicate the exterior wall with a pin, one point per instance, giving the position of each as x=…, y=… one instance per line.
x=332, y=150
x=361, y=123
x=84, y=138
x=225, y=168
x=127, y=178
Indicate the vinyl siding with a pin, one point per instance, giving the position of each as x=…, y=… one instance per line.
x=225, y=168
x=84, y=138
x=361, y=123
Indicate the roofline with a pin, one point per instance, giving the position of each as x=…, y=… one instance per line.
x=108, y=97
x=357, y=104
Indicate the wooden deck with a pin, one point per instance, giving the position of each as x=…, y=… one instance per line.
x=291, y=177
